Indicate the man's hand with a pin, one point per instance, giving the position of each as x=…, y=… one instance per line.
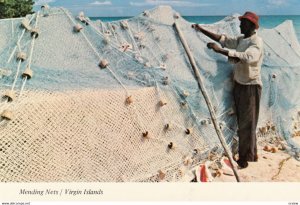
x=197, y=27
x=214, y=46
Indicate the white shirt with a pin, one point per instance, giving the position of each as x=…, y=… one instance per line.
x=250, y=52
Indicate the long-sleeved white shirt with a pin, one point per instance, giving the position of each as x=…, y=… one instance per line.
x=250, y=52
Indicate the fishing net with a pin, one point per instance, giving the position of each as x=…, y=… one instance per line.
x=118, y=101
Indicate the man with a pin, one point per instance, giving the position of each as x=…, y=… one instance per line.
x=247, y=54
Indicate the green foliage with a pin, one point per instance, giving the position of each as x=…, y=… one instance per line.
x=15, y=8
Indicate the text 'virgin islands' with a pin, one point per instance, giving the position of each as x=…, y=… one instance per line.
x=60, y=192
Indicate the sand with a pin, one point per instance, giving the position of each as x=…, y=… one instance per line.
x=271, y=167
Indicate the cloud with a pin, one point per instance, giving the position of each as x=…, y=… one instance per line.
x=101, y=3
x=42, y=2
x=277, y=2
x=168, y=2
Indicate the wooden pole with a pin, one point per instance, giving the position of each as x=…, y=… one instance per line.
x=206, y=97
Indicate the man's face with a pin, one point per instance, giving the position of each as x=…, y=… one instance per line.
x=246, y=26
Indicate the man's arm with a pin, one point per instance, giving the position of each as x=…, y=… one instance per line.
x=251, y=55
x=222, y=51
x=213, y=36
x=216, y=37
x=225, y=41
x=217, y=49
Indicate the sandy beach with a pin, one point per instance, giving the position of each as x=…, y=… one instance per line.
x=270, y=167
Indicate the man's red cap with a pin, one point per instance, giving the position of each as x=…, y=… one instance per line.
x=251, y=17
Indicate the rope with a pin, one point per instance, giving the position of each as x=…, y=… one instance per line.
x=103, y=36
x=12, y=27
x=2, y=20
x=87, y=40
x=18, y=42
x=16, y=76
x=19, y=62
x=175, y=123
x=133, y=41
x=280, y=167
x=102, y=27
x=11, y=55
x=155, y=57
x=226, y=111
x=116, y=77
x=32, y=43
x=30, y=55
x=280, y=66
x=275, y=52
x=113, y=45
x=290, y=44
x=23, y=85
x=113, y=31
x=96, y=52
x=155, y=21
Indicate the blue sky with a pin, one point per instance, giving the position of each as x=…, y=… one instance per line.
x=185, y=7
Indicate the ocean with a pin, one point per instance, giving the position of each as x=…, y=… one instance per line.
x=265, y=21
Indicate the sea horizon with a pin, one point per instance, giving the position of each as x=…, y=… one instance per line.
x=266, y=21
x=192, y=15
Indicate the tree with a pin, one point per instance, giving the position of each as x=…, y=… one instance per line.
x=15, y=8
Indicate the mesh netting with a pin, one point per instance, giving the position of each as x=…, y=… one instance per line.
x=66, y=119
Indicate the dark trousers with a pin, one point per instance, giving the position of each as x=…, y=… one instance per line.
x=247, y=98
